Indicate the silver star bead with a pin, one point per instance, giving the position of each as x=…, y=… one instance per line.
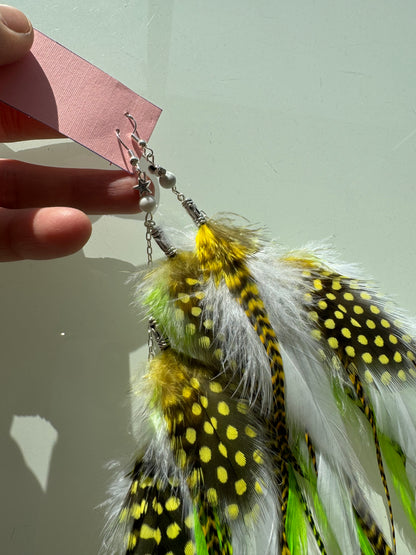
x=143, y=186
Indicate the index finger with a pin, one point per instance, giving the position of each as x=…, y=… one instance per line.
x=25, y=185
x=16, y=126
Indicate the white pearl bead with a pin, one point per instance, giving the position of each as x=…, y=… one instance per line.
x=168, y=180
x=147, y=203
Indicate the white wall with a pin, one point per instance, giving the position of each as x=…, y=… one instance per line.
x=298, y=115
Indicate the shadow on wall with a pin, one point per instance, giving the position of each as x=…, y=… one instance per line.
x=67, y=330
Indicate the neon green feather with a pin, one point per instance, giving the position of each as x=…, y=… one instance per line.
x=365, y=545
x=296, y=525
x=162, y=309
x=201, y=545
x=399, y=477
x=158, y=300
x=309, y=489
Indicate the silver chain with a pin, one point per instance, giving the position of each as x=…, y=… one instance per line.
x=149, y=224
x=179, y=195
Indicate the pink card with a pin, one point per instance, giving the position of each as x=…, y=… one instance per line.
x=64, y=91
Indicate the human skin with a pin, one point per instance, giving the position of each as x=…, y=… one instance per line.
x=43, y=210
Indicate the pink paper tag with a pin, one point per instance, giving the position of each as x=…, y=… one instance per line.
x=64, y=91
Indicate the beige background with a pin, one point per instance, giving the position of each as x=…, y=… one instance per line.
x=298, y=115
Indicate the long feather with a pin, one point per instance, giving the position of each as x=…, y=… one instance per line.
x=291, y=343
x=296, y=523
x=223, y=254
x=396, y=463
x=220, y=462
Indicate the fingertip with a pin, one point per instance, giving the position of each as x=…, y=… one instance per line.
x=41, y=234
x=58, y=232
x=16, y=34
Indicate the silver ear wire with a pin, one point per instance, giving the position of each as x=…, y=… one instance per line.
x=147, y=202
x=167, y=179
x=135, y=135
x=134, y=161
x=148, y=152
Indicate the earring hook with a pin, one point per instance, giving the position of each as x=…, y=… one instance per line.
x=135, y=134
x=129, y=150
x=167, y=179
x=148, y=152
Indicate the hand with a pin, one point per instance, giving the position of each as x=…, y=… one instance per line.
x=43, y=210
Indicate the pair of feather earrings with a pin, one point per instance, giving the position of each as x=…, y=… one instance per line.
x=269, y=373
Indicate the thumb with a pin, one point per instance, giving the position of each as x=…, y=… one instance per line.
x=16, y=34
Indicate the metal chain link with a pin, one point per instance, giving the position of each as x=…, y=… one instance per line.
x=179, y=195
x=149, y=224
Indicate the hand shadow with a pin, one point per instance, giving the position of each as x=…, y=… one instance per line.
x=68, y=327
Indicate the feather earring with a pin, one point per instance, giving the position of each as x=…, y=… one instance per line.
x=269, y=365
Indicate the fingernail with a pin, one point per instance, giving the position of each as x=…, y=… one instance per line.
x=14, y=19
